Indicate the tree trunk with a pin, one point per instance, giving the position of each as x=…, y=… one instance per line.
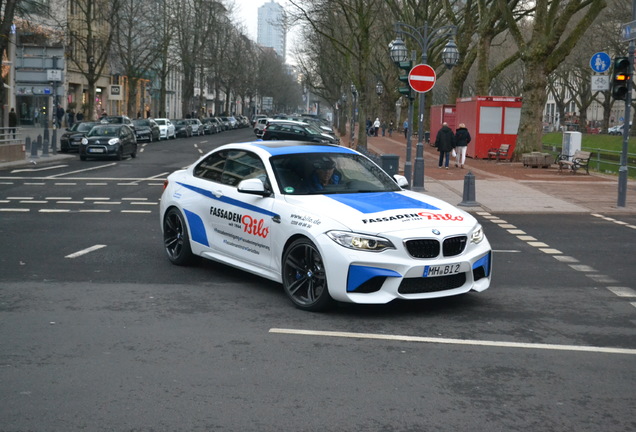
x=534, y=99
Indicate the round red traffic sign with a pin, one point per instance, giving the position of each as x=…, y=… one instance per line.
x=422, y=78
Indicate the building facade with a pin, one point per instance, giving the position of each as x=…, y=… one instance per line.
x=272, y=30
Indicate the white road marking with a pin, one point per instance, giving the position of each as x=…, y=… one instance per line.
x=83, y=170
x=54, y=211
x=622, y=291
x=472, y=342
x=17, y=210
x=85, y=251
x=38, y=169
x=506, y=251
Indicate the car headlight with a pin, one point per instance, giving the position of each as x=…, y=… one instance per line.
x=477, y=235
x=84, y=141
x=360, y=242
x=113, y=141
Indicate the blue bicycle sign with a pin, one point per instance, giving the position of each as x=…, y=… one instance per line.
x=600, y=62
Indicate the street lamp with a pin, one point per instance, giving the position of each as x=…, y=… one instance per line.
x=379, y=88
x=450, y=56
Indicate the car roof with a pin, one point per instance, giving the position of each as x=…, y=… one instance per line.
x=288, y=147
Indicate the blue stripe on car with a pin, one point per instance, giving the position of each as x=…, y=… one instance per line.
x=227, y=200
x=298, y=149
x=360, y=274
x=197, y=229
x=483, y=262
x=375, y=202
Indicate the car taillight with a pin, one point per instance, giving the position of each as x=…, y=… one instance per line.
x=165, y=184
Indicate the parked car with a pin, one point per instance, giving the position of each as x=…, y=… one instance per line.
x=295, y=130
x=225, y=122
x=259, y=126
x=72, y=138
x=255, y=117
x=146, y=130
x=211, y=126
x=109, y=140
x=231, y=122
x=182, y=128
x=166, y=128
x=325, y=222
x=197, y=126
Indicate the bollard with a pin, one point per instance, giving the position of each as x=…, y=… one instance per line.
x=469, y=191
x=45, y=144
x=32, y=146
x=38, y=145
x=54, y=142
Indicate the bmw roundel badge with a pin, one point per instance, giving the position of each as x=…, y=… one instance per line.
x=436, y=231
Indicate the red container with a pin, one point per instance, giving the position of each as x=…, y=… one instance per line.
x=491, y=121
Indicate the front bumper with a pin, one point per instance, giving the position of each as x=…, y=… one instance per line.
x=377, y=278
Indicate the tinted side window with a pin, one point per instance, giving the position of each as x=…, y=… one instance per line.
x=241, y=165
x=211, y=168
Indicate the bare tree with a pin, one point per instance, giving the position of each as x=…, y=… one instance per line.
x=554, y=30
x=135, y=47
x=90, y=36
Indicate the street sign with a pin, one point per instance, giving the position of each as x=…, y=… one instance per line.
x=600, y=83
x=629, y=31
x=422, y=78
x=600, y=62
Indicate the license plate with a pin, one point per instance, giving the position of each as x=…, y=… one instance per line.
x=96, y=150
x=442, y=270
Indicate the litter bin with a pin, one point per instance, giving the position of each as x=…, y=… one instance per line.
x=390, y=163
x=427, y=137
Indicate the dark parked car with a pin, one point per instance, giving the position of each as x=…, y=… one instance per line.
x=182, y=128
x=146, y=130
x=71, y=139
x=109, y=140
x=211, y=125
x=294, y=130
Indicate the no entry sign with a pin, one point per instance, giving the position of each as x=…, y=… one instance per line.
x=422, y=78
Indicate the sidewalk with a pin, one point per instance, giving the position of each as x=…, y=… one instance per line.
x=509, y=187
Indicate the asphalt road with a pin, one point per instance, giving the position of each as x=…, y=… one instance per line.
x=100, y=333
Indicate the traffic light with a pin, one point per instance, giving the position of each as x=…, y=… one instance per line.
x=405, y=66
x=621, y=78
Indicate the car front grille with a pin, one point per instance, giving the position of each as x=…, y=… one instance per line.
x=431, y=284
x=430, y=248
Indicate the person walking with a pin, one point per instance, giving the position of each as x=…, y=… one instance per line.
x=391, y=128
x=406, y=128
x=13, y=121
x=376, y=126
x=462, y=138
x=445, y=143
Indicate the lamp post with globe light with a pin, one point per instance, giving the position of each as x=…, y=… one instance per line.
x=424, y=36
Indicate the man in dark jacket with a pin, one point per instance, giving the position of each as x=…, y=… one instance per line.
x=445, y=143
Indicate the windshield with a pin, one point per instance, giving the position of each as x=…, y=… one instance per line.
x=141, y=122
x=329, y=173
x=161, y=122
x=104, y=130
x=82, y=127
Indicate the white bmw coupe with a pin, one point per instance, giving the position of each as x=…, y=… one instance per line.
x=325, y=222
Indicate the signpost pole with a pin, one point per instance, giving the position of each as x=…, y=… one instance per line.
x=622, y=171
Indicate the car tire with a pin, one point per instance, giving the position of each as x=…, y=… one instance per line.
x=176, y=239
x=304, y=277
x=134, y=153
x=120, y=154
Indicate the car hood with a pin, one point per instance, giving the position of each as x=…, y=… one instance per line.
x=385, y=212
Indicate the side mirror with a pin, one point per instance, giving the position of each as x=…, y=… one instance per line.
x=253, y=186
x=401, y=181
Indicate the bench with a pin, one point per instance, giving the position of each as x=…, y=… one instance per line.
x=498, y=153
x=580, y=159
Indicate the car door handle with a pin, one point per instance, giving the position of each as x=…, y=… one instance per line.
x=218, y=193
